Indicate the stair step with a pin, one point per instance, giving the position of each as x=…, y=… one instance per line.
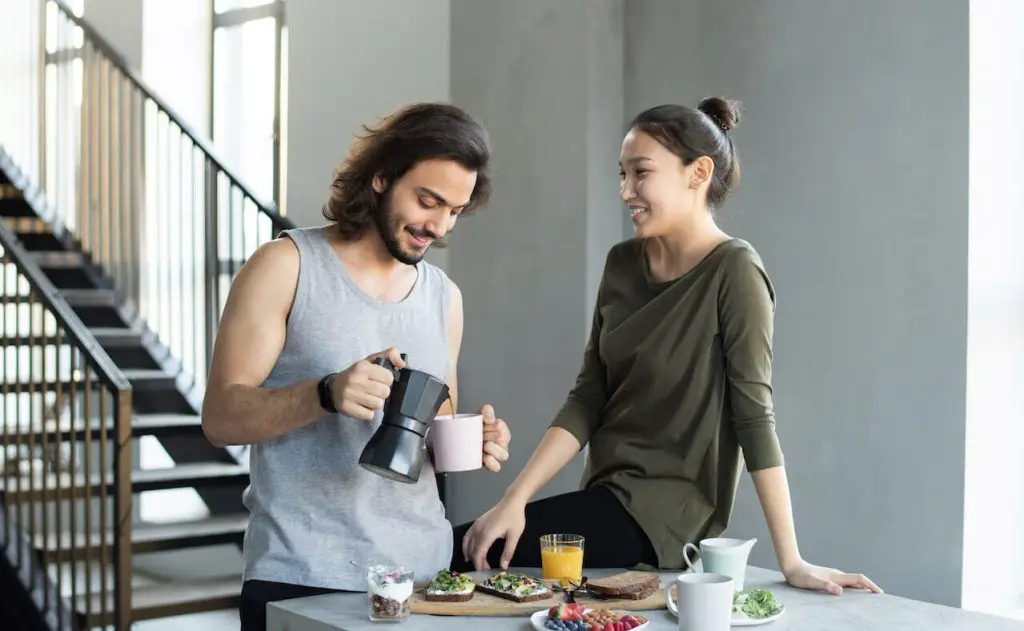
x=158, y=425
x=12, y=204
x=90, y=297
x=149, y=379
x=162, y=425
x=141, y=379
x=201, y=474
x=116, y=336
x=58, y=259
x=74, y=297
x=39, y=240
x=149, y=538
x=171, y=599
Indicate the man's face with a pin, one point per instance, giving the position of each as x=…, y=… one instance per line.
x=422, y=207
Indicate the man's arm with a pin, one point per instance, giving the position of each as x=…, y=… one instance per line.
x=236, y=410
x=249, y=340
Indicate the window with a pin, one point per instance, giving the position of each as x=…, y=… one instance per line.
x=247, y=54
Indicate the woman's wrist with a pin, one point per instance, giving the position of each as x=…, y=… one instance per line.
x=516, y=496
x=790, y=563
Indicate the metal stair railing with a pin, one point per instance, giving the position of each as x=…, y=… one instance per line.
x=130, y=182
x=65, y=449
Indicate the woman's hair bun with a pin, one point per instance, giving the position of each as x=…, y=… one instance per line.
x=723, y=112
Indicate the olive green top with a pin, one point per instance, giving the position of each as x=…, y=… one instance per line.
x=675, y=391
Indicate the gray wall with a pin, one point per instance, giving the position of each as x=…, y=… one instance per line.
x=120, y=23
x=350, y=63
x=546, y=80
x=855, y=151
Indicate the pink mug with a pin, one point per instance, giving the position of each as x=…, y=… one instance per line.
x=458, y=442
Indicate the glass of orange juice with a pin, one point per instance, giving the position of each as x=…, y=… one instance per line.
x=562, y=558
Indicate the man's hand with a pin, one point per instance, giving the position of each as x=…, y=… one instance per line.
x=496, y=439
x=361, y=389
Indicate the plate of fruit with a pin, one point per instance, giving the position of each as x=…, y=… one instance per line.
x=576, y=617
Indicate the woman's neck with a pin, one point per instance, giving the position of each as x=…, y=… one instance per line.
x=673, y=255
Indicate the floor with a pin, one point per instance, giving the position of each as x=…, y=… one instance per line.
x=223, y=620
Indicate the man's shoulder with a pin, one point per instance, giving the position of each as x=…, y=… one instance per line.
x=278, y=258
x=435, y=272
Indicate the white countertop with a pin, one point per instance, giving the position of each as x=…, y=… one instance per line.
x=805, y=611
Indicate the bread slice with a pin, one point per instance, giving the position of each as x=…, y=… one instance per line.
x=515, y=587
x=450, y=587
x=630, y=585
x=448, y=597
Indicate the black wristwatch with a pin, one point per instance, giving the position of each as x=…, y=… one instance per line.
x=323, y=389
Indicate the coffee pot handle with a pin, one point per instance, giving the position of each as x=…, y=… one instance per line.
x=386, y=363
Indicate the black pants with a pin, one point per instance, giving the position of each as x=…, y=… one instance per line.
x=612, y=538
x=256, y=595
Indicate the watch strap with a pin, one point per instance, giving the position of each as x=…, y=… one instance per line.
x=323, y=389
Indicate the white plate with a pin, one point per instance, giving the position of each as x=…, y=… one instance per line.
x=537, y=620
x=740, y=619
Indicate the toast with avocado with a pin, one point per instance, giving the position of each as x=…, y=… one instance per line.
x=518, y=588
x=450, y=587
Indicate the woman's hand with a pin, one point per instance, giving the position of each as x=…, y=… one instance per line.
x=506, y=520
x=814, y=577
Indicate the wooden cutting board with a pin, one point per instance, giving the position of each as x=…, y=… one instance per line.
x=486, y=605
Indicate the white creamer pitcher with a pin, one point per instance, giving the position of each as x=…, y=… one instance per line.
x=722, y=555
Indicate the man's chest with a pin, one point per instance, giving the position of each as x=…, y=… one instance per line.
x=393, y=288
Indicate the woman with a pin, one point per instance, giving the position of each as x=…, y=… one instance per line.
x=675, y=393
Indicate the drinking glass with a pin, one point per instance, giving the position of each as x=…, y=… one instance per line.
x=561, y=558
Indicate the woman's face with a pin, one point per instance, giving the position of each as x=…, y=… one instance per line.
x=660, y=191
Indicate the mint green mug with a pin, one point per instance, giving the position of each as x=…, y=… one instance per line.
x=722, y=555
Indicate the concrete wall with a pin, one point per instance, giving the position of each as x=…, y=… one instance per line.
x=350, y=63
x=855, y=155
x=546, y=80
x=120, y=23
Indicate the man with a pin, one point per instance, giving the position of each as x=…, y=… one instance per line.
x=306, y=316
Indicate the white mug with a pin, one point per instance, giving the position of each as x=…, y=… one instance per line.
x=704, y=601
x=458, y=442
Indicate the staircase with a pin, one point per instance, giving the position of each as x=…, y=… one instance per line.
x=120, y=233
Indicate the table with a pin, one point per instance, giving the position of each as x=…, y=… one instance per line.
x=805, y=611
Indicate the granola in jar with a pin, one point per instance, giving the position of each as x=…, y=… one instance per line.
x=389, y=589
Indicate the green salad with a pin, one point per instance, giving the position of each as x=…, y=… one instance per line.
x=756, y=603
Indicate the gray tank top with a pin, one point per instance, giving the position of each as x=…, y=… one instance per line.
x=313, y=508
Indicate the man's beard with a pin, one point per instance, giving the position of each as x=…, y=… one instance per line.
x=388, y=227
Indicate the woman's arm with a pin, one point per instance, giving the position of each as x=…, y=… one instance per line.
x=507, y=519
x=555, y=451
x=746, y=307
x=570, y=430
x=773, y=493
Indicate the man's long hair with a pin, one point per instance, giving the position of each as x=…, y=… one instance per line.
x=415, y=133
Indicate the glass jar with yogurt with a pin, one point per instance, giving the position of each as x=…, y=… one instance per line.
x=389, y=589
